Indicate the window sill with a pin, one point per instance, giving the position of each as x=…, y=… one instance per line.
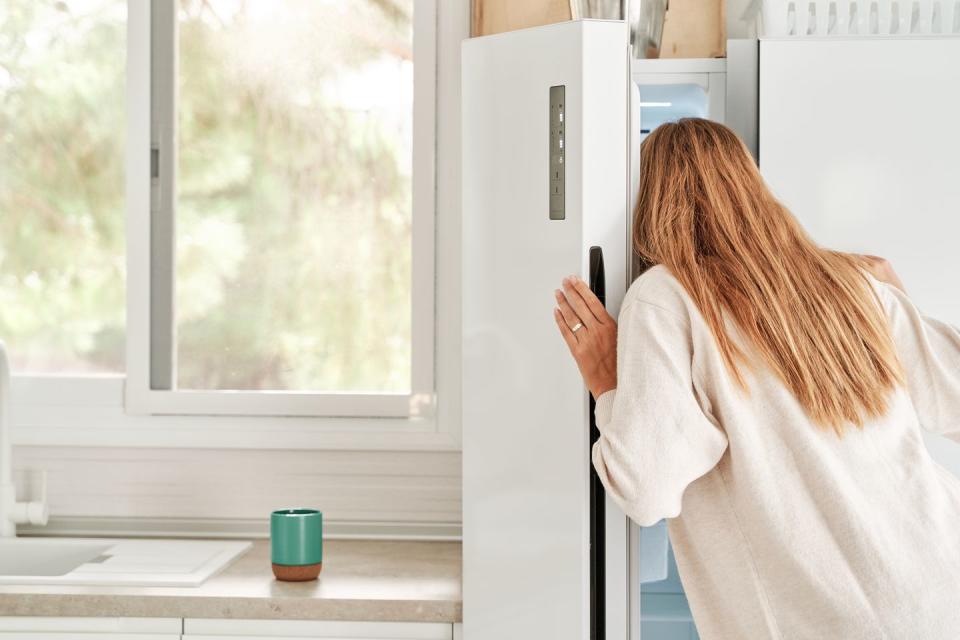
x=89, y=412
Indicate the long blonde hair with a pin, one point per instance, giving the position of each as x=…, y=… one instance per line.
x=706, y=214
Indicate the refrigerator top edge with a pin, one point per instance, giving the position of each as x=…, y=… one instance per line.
x=579, y=24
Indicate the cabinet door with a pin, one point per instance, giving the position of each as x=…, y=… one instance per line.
x=859, y=138
x=211, y=629
x=37, y=628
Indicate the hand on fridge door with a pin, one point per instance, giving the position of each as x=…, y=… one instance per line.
x=590, y=333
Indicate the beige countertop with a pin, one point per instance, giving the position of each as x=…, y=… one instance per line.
x=399, y=581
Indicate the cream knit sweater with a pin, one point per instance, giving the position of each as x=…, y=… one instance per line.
x=781, y=529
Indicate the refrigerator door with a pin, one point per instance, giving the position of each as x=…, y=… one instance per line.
x=859, y=138
x=528, y=508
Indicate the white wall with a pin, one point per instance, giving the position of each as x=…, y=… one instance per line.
x=119, y=490
x=737, y=28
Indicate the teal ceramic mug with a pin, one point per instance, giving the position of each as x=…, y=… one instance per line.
x=296, y=544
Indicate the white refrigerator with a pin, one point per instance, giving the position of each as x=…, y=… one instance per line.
x=850, y=134
x=552, y=119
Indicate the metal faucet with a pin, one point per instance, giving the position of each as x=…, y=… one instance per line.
x=12, y=512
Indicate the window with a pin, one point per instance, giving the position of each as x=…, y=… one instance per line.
x=293, y=195
x=288, y=224
x=61, y=185
x=256, y=240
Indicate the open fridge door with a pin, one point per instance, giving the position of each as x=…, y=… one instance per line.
x=544, y=185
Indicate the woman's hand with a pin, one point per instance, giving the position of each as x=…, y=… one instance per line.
x=882, y=270
x=590, y=332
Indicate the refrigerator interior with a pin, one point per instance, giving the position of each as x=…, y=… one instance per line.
x=660, y=103
x=665, y=93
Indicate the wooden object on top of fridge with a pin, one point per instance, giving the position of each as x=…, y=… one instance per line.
x=694, y=29
x=496, y=16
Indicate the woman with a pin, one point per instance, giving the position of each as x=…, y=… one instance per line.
x=767, y=396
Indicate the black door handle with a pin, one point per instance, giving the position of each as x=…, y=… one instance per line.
x=597, y=508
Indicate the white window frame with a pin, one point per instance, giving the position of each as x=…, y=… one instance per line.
x=94, y=410
x=151, y=331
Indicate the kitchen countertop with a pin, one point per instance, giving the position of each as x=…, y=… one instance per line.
x=400, y=581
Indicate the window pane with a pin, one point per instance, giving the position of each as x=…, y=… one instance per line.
x=62, y=133
x=294, y=195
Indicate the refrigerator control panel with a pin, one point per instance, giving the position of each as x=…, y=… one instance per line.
x=558, y=210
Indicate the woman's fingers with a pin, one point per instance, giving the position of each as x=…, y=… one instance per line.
x=577, y=303
x=590, y=299
x=568, y=335
x=566, y=311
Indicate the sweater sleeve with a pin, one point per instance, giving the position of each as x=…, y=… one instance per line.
x=654, y=437
x=929, y=351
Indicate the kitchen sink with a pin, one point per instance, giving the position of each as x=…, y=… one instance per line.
x=44, y=557
x=63, y=561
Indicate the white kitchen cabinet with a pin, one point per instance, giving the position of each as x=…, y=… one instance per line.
x=859, y=138
x=57, y=628
x=214, y=629
x=38, y=628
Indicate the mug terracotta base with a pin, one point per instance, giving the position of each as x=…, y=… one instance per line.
x=297, y=572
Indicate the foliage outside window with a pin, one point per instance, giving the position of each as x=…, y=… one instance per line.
x=293, y=199
x=62, y=132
